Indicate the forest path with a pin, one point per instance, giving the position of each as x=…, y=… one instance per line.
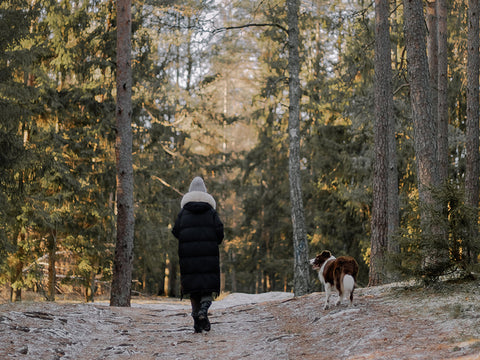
x=384, y=323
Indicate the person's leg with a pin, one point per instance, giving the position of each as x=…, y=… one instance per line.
x=195, y=301
x=205, y=302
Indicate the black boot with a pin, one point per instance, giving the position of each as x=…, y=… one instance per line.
x=197, y=324
x=203, y=315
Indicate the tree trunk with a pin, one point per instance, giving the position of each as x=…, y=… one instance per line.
x=423, y=124
x=167, y=281
x=233, y=273
x=90, y=287
x=442, y=84
x=17, y=269
x=15, y=290
x=472, y=166
x=174, y=281
x=15, y=294
x=300, y=244
x=424, y=132
x=122, y=265
x=393, y=200
x=52, y=276
x=432, y=52
x=383, y=112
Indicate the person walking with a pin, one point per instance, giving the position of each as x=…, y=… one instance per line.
x=199, y=231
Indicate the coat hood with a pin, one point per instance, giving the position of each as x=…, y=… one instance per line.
x=198, y=196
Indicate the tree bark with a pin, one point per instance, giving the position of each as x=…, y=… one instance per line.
x=472, y=166
x=122, y=266
x=17, y=268
x=423, y=121
x=393, y=199
x=424, y=132
x=432, y=52
x=300, y=244
x=383, y=113
x=90, y=287
x=52, y=275
x=442, y=86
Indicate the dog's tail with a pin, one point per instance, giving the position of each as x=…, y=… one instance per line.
x=348, y=285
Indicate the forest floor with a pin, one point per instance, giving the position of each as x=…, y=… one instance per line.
x=386, y=322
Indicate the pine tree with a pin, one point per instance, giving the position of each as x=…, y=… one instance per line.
x=383, y=114
x=300, y=244
x=472, y=133
x=442, y=86
x=424, y=126
x=18, y=97
x=122, y=266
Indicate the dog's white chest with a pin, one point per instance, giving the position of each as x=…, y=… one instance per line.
x=321, y=277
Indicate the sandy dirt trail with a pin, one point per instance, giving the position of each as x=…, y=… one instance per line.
x=384, y=323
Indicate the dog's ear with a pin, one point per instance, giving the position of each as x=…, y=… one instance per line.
x=325, y=254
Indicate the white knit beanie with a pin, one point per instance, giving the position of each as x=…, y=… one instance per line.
x=197, y=185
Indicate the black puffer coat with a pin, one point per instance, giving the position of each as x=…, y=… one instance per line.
x=199, y=231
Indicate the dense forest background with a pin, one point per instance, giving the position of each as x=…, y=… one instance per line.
x=210, y=98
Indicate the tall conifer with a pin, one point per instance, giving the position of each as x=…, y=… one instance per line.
x=300, y=244
x=122, y=265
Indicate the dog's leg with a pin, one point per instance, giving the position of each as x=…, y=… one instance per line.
x=328, y=293
x=339, y=285
x=351, y=297
x=340, y=296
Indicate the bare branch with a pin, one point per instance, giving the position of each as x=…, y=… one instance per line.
x=167, y=185
x=164, y=123
x=175, y=154
x=218, y=30
x=400, y=88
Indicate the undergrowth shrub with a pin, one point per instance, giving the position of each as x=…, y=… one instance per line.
x=448, y=244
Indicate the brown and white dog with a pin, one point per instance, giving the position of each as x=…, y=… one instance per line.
x=336, y=275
